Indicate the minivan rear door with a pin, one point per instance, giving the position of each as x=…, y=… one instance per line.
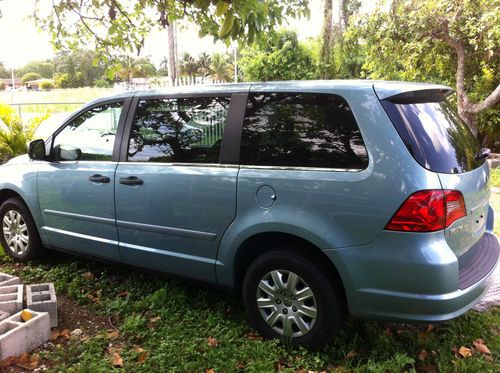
x=441, y=142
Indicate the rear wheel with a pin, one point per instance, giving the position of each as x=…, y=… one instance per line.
x=19, y=236
x=290, y=297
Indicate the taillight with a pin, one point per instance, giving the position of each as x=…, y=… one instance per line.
x=428, y=211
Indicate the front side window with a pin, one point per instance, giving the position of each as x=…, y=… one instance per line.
x=180, y=130
x=89, y=137
x=301, y=130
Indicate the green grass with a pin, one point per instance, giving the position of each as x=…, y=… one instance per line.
x=172, y=321
x=81, y=95
x=495, y=177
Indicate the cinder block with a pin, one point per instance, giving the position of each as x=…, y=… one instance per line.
x=6, y=280
x=3, y=315
x=18, y=336
x=11, y=299
x=42, y=298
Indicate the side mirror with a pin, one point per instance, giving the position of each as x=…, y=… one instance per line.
x=66, y=153
x=36, y=150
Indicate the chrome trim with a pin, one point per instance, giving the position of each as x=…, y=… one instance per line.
x=221, y=165
x=168, y=230
x=170, y=253
x=71, y=215
x=303, y=168
x=79, y=235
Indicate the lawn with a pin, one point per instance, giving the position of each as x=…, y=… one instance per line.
x=67, y=96
x=139, y=322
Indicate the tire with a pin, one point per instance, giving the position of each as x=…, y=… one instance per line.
x=313, y=330
x=19, y=236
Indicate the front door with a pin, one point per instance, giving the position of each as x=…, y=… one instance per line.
x=76, y=189
x=173, y=199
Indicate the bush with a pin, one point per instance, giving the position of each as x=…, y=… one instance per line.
x=29, y=77
x=62, y=81
x=47, y=85
x=102, y=83
x=2, y=86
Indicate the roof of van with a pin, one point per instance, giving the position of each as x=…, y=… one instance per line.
x=384, y=89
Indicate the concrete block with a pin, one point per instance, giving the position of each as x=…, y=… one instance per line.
x=6, y=280
x=3, y=315
x=18, y=336
x=42, y=298
x=11, y=299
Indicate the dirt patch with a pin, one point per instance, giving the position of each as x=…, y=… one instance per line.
x=71, y=316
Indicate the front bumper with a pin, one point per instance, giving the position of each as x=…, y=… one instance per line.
x=417, y=279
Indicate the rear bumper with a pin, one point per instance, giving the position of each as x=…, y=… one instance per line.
x=420, y=281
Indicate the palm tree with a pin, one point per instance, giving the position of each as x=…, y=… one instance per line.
x=204, y=61
x=130, y=68
x=220, y=68
x=188, y=65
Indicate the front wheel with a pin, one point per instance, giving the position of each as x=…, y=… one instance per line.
x=19, y=236
x=293, y=298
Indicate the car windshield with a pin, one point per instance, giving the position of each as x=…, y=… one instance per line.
x=50, y=125
x=435, y=136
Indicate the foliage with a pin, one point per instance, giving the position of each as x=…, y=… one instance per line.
x=103, y=83
x=29, y=77
x=220, y=67
x=187, y=328
x=118, y=25
x=281, y=58
x=188, y=66
x=14, y=134
x=77, y=69
x=43, y=68
x=129, y=68
x=426, y=41
x=4, y=73
x=47, y=85
x=495, y=179
x=2, y=86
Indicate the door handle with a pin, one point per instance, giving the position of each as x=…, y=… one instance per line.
x=131, y=180
x=99, y=179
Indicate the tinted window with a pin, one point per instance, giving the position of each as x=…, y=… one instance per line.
x=301, y=130
x=91, y=136
x=435, y=136
x=178, y=130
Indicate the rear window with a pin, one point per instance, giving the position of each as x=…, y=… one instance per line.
x=301, y=130
x=435, y=136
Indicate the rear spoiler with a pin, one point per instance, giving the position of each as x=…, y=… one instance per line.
x=405, y=93
x=418, y=97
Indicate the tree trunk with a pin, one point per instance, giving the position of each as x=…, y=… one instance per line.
x=326, y=39
x=172, y=71
x=342, y=16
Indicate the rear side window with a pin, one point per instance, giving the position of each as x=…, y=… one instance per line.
x=435, y=136
x=301, y=130
x=181, y=130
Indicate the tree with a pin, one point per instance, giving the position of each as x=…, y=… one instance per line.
x=188, y=66
x=29, y=77
x=163, y=70
x=204, y=61
x=439, y=41
x=44, y=68
x=326, y=39
x=220, y=68
x=283, y=58
x=4, y=72
x=118, y=25
x=78, y=68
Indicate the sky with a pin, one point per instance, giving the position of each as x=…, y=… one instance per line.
x=22, y=42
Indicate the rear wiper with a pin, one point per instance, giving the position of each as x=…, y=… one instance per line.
x=483, y=153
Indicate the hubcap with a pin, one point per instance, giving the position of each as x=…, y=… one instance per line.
x=15, y=232
x=287, y=303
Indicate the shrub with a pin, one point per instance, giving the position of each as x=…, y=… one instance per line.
x=102, y=83
x=2, y=86
x=29, y=77
x=47, y=85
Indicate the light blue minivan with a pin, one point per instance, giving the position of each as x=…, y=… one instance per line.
x=314, y=198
